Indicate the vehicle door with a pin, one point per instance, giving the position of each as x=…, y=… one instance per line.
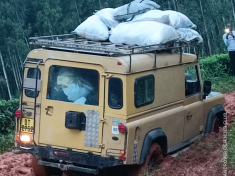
x=72, y=105
x=192, y=102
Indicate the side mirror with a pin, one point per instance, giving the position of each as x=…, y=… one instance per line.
x=206, y=89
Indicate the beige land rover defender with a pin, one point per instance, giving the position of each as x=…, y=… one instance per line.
x=87, y=105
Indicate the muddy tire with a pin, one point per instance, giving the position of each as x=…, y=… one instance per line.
x=215, y=125
x=153, y=159
x=39, y=170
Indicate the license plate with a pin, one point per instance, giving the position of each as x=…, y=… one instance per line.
x=27, y=123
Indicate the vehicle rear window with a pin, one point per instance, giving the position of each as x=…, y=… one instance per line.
x=115, y=99
x=32, y=72
x=144, y=90
x=75, y=85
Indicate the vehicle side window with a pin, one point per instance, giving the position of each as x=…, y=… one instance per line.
x=115, y=98
x=32, y=72
x=192, y=83
x=144, y=90
x=75, y=85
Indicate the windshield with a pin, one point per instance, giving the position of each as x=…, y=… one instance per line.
x=75, y=85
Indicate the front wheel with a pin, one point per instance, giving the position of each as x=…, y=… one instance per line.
x=215, y=125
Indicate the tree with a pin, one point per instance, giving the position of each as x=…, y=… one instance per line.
x=21, y=19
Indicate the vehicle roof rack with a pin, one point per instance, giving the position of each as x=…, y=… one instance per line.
x=75, y=43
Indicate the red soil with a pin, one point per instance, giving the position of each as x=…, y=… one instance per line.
x=15, y=165
x=202, y=159
x=230, y=106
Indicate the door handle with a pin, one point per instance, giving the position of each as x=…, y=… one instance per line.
x=189, y=116
x=49, y=110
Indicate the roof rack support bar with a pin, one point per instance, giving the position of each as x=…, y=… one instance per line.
x=130, y=64
x=181, y=54
x=197, y=51
x=155, y=59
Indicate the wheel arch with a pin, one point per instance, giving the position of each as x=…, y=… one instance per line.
x=154, y=136
x=217, y=110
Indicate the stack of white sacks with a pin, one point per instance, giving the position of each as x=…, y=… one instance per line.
x=138, y=23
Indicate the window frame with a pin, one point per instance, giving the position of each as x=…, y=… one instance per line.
x=109, y=93
x=39, y=77
x=198, y=81
x=65, y=66
x=135, y=90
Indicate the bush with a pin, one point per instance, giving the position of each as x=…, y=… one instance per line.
x=6, y=142
x=214, y=66
x=7, y=117
x=216, y=69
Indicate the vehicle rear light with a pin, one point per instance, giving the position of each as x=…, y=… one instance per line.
x=17, y=139
x=122, y=158
x=61, y=153
x=25, y=138
x=18, y=113
x=122, y=152
x=122, y=128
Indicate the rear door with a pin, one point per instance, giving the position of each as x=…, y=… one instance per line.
x=71, y=93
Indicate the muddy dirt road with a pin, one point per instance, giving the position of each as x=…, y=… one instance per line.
x=202, y=159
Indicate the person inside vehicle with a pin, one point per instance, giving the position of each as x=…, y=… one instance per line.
x=229, y=40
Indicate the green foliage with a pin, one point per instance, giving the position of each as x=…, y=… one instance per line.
x=6, y=142
x=224, y=84
x=7, y=118
x=214, y=66
x=21, y=19
x=231, y=144
x=216, y=69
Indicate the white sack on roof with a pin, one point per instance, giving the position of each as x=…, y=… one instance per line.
x=153, y=15
x=106, y=15
x=189, y=35
x=93, y=29
x=134, y=8
x=179, y=20
x=148, y=2
x=143, y=33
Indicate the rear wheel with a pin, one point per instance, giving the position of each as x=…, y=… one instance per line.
x=154, y=158
x=39, y=170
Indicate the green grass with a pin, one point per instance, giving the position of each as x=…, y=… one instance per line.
x=6, y=142
x=231, y=146
x=223, y=84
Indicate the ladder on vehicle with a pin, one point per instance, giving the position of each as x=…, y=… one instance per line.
x=31, y=86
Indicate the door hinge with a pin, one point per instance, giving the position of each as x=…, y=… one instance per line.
x=104, y=120
x=107, y=75
x=102, y=146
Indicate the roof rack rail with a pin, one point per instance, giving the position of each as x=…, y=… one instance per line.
x=75, y=43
